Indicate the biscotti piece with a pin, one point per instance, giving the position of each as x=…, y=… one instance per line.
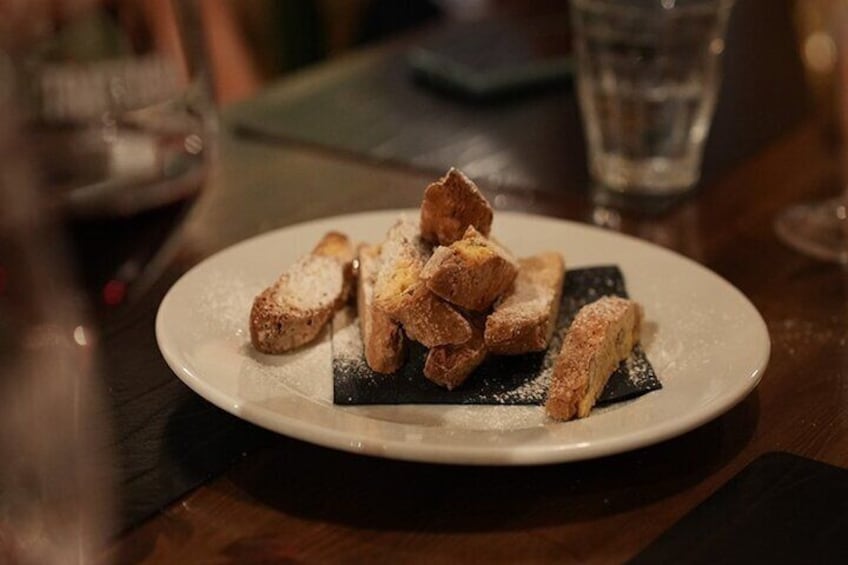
x=602, y=335
x=402, y=257
x=524, y=320
x=338, y=246
x=292, y=311
x=450, y=365
x=429, y=320
x=450, y=205
x=382, y=339
x=335, y=244
x=403, y=297
x=471, y=273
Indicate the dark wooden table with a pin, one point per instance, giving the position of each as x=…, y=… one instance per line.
x=268, y=498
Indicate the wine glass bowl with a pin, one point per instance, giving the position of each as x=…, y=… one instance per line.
x=816, y=228
x=121, y=120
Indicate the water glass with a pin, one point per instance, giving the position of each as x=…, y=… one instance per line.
x=648, y=77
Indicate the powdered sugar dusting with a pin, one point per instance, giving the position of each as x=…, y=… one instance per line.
x=533, y=293
x=224, y=303
x=535, y=390
x=513, y=380
x=638, y=369
x=528, y=301
x=403, y=239
x=306, y=371
x=347, y=339
x=312, y=283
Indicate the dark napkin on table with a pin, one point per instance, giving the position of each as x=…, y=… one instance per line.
x=781, y=508
x=520, y=379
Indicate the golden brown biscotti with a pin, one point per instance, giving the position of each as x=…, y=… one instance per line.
x=338, y=246
x=471, y=273
x=450, y=205
x=524, y=319
x=602, y=335
x=294, y=310
x=450, y=365
x=383, y=341
x=403, y=297
x=402, y=256
x=429, y=320
x=335, y=244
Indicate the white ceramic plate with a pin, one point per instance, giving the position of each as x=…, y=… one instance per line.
x=706, y=341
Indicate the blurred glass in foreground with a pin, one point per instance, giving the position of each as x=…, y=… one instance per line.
x=55, y=479
x=116, y=99
x=648, y=77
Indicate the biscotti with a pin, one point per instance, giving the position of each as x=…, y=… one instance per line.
x=402, y=257
x=450, y=205
x=524, y=320
x=602, y=335
x=294, y=310
x=383, y=341
x=450, y=365
x=429, y=320
x=337, y=246
x=471, y=273
x=400, y=293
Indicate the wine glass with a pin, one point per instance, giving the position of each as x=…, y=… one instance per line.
x=55, y=474
x=819, y=228
x=118, y=105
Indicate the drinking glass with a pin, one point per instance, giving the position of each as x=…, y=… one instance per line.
x=819, y=228
x=647, y=81
x=55, y=475
x=117, y=104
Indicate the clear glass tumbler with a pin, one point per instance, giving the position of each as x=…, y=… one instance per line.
x=648, y=78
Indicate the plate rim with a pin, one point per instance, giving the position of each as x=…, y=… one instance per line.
x=531, y=454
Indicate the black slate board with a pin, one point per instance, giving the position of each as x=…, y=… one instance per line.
x=500, y=379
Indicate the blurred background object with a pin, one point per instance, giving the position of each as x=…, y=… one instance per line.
x=56, y=475
x=116, y=99
x=819, y=227
x=257, y=41
x=260, y=40
x=817, y=32
x=648, y=76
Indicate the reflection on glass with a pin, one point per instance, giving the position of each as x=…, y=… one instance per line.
x=820, y=228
